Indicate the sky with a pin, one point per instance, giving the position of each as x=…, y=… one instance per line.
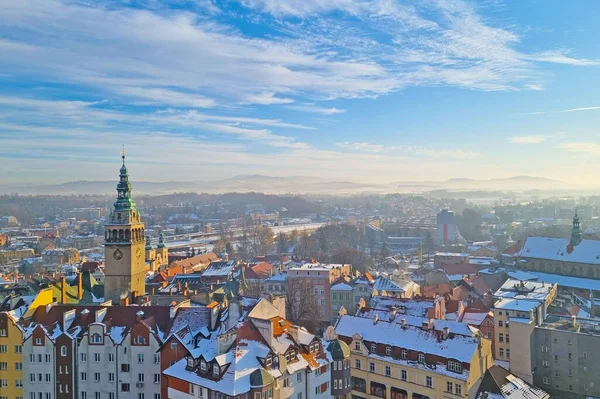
x=368, y=91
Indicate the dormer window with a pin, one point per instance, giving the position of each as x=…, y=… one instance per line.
x=96, y=339
x=38, y=341
x=404, y=354
x=190, y=362
x=293, y=355
x=421, y=358
x=454, y=366
x=202, y=365
x=216, y=370
x=373, y=348
x=268, y=361
x=388, y=350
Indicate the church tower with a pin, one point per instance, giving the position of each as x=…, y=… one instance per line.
x=162, y=252
x=575, y=231
x=124, y=260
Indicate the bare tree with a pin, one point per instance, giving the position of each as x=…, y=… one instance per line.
x=302, y=306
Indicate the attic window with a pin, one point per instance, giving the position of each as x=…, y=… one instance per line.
x=268, y=361
x=357, y=346
x=203, y=365
x=190, y=362
x=96, y=339
x=216, y=370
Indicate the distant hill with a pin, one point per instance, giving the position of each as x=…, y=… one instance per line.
x=291, y=185
x=516, y=183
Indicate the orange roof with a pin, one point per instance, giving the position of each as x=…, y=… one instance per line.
x=212, y=304
x=280, y=328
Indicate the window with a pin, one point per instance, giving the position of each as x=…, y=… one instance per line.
x=140, y=395
x=388, y=350
x=140, y=377
x=508, y=353
x=47, y=358
x=334, y=295
x=202, y=365
x=48, y=378
x=372, y=367
x=404, y=354
x=84, y=357
x=157, y=378
x=111, y=357
x=19, y=383
x=570, y=373
x=357, y=346
x=2, y=332
x=489, y=335
x=38, y=341
x=31, y=377
x=421, y=358
x=454, y=366
x=545, y=349
x=97, y=357
x=111, y=377
x=299, y=377
x=96, y=339
x=358, y=384
x=18, y=349
x=570, y=356
x=3, y=366
x=156, y=358
x=508, y=338
x=378, y=390
x=546, y=363
x=449, y=387
x=458, y=389
x=125, y=367
x=83, y=376
x=335, y=384
x=373, y=348
x=140, y=358
x=216, y=370
x=286, y=383
x=500, y=337
x=83, y=395
x=3, y=349
x=97, y=377
x=585, y=355
x=173, y=344
x=500, y=324
x=125, y=387
x=428, y=381
x=18, y=366
x=501, y=352
x=156, y=396
x=388, y=371
x=3, y=383
x=357, y=364
x=403, y=375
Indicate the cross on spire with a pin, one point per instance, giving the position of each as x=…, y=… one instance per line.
x=123, y=153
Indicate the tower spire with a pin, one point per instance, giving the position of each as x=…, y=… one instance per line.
x=575, y=231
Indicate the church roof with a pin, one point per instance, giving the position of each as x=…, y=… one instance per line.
x=588, y=251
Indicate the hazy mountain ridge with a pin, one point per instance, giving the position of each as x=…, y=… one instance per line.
x=291, y=184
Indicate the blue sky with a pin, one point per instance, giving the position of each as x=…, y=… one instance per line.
x=373, y=90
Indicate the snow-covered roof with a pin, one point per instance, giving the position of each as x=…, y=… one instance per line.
x=518, y=289
x=411, y=307
x=517, y=304
x=341, y=287
x=385, y=284
x=474, y=319
x=457, y=347
x=567, y=281
x=522, y=275
x=588, y=251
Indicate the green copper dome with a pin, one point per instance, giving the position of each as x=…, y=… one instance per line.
x=124, y=201
x=149, y=246
x=161, y=240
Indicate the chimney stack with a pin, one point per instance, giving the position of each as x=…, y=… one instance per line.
x=63, y=290
x=445, y=332
x=139, y=316
x=404, y=324
x=84, y=314
x=393, y=313
x=80, y=287
x=375, y=318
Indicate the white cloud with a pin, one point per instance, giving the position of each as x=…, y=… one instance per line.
x=163, y=96
x=560, y=57
x=581, y=147
x=311, y=107
x=536, y=139
x=360, y=147
x=266, y=99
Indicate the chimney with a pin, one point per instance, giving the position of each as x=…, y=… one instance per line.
x=139, y=316
x=445, y=332
x=375, y=318
x=63, y=289
x=80, y=286
x=404, y=324
x=574, y=321
x=393, y=313
x=84, y=314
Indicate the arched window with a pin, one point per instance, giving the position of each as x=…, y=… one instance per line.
x=121, y=236
x=96, y=339
x=63, y=350
x=114, y=235
x=127, y=235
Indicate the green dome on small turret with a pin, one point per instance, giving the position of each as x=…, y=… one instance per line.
x=161, y=240
x=149, y=246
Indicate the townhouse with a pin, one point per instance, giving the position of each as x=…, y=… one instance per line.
x=264, y=356
x=392, y=359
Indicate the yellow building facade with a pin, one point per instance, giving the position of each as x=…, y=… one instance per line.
x=385, y=365
x=11, y=338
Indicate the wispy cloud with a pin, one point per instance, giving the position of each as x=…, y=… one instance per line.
x=360, y=147
x=594, y=108
x=535, y=139
x=311, y=107
x=581, y=147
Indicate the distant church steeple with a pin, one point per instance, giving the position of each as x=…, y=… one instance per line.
x=575, y=231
